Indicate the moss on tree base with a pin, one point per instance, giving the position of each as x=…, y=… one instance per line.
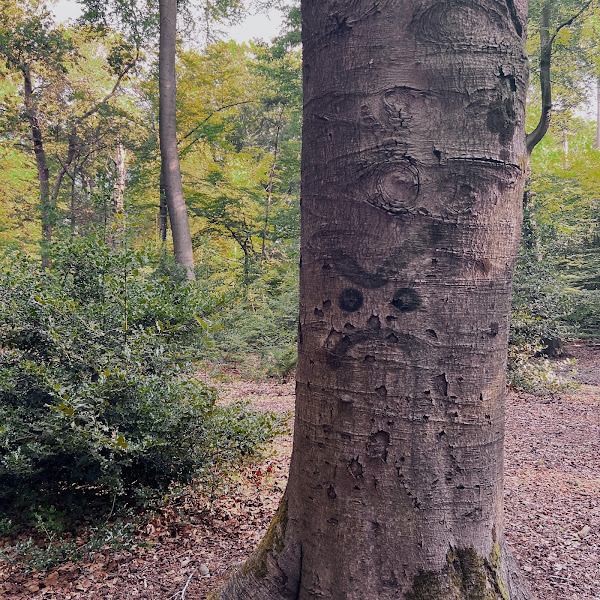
x=466, y=576
x=272, y=543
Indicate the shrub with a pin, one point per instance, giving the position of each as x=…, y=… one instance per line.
x=99, y=401
x=538, y=375
x=541, y=304
x=541, y=299
x=258, y=330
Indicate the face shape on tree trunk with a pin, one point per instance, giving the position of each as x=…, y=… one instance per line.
x=412, y=183
x=412, y=179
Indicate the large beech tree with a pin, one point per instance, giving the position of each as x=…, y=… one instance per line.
x=414, y=157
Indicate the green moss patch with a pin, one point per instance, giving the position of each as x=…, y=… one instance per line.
x=272, y=543
x=466, y=576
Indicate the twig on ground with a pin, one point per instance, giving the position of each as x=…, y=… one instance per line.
x=181, y=595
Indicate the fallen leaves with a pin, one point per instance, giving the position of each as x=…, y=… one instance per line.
x=552, y=486
x=552, y=511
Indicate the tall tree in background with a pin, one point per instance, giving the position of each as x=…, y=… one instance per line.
x=411, y=205
x=29, y=40
x=170, y=167
x=70, y=108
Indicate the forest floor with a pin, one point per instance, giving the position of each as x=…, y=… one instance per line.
x=552, y=494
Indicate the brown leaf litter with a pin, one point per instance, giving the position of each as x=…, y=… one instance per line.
x=552, y=497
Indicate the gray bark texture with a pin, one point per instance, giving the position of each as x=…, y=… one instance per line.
x=171, y=169
x=414, y=158
x=43, y=173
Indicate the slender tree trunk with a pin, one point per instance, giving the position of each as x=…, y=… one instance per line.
x=43, y=173
x=120, y=175
x=162, y=210
x=270, y=189
x=180, y=228
x=64, y=168
x=74, y=201
x=413, y=169
x=118, y=207
x=535, y=137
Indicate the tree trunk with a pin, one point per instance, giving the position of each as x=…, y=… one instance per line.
x=43, y=173
x=118, y=196
x=413, y=169
x=270, y=190
x=163, y=212
x=180, y=227
x=120, y=175
x=74, y=201
x=535, y=137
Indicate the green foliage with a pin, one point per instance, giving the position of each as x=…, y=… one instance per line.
x=99, y=399
x=541, y=307
x=56, y=549
x=561, y=224
x=258, y=330
x=541, y=299
x=582, y=269
x=28, y=35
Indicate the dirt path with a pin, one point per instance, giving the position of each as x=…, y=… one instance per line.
x=552, y=493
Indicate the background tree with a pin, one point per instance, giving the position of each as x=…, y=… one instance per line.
x=170, y=168
x=29, y=40
x=73, y=106
x=136, y=21
x=553, y=20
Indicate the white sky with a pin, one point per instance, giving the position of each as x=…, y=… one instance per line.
x=263, y=27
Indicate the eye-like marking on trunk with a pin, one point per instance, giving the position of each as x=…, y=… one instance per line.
x=443, y=23
x=392, y=184
x=350, y=300
x=406, y=300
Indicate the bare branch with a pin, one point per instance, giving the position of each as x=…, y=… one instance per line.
x=571, y=20
x=214, y=112
x=110, y=94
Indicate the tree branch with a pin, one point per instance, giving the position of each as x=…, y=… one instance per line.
x=65, y=166
x=110, y=94
x=535, y=137
x=570, y=21
x=214, y=112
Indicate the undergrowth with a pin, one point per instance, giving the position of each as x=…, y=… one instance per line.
x=101, y=407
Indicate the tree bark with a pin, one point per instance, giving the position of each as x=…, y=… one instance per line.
x=118, y=208
x=43, y=173
x=413, y=167
x=270, y=189
x=171, y=170
x=163, y=213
